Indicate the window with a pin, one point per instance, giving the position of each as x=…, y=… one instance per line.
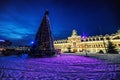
x=97, y=39
x=107, y=38
x=93, y=39
x=118, y=44
x=101, y=38
x=81, y=40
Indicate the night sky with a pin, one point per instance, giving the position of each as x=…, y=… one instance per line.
x=20, y=19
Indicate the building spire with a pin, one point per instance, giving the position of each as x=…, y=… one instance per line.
x=74, y=33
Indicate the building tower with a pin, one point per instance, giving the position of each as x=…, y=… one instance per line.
x=74, y=33
x=43, y=45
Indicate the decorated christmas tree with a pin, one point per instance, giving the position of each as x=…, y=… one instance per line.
x=43, y=45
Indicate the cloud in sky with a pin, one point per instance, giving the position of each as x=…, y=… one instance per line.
x=13, y=31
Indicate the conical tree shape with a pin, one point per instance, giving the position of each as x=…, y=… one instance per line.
x=44, y=40
x=111, y=48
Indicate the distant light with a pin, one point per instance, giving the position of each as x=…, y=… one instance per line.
x=32, y=42
x=84, y=37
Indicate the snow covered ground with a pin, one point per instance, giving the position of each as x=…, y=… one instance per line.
x=64, y=67
x=114, y=58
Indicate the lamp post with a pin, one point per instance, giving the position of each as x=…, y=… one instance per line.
x=86, y=50
x=85, y=45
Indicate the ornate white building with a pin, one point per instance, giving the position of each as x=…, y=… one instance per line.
x=92, y=44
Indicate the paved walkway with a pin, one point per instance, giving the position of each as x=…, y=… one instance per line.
x=64, y=67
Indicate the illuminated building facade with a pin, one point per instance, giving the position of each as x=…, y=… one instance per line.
x=92, y=44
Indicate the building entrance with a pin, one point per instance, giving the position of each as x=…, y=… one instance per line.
x=74, y=50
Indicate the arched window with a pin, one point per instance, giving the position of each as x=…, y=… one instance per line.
x=101, y=38
x=82, y=40
x=107, y=38
x=97, y=39
x=118, y=44
x=90, y=40
x=86, y=39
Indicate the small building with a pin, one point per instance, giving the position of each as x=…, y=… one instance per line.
x=4, y=44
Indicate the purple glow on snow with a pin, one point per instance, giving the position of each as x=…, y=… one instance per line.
x=64, y=67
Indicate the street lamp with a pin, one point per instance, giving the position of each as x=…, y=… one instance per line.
x=86, y=50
